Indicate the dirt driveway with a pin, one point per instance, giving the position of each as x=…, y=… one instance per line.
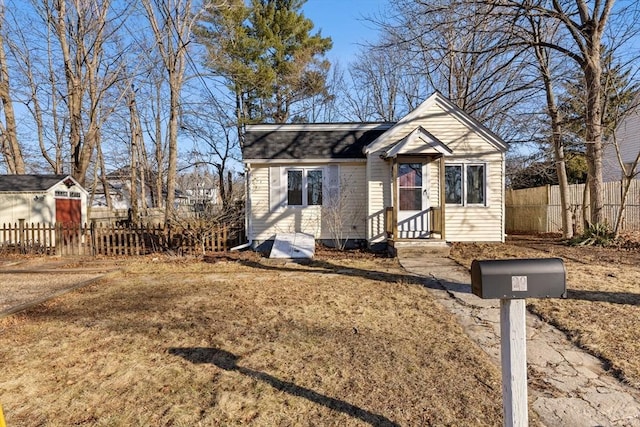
x=28, y=281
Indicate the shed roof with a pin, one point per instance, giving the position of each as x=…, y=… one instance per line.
x=310, y=141
x=17, y=183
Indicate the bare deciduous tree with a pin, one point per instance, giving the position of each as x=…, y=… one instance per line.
x=585, y=24
x=212, y=127
x=83, y=30
x=539, y=33
x=456, y=48
x=9, y=145
x=172, y=22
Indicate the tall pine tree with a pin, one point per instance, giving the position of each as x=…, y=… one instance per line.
x=267, y=54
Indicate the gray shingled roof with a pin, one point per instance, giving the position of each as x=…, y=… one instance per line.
x=293, y=142
x=14, y=183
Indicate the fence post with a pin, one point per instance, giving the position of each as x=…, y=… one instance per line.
x=92, y=237
x=50, y=238
x=58, y=231
x=21, y=235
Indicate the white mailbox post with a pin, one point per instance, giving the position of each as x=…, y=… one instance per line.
x=513, y=280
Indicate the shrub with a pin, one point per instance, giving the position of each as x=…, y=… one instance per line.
x=599, y=234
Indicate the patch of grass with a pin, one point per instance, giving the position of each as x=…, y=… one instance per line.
x=602, y=311
x=246, y=342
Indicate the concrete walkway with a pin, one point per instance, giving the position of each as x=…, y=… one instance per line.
x=567, y=386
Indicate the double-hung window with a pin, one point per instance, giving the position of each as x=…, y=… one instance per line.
x=465, y=184
x=304, y=187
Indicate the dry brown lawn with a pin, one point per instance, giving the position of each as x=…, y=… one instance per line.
x=602, y=311
x=245, y=342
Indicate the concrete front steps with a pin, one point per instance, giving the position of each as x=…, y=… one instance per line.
x=418, y=247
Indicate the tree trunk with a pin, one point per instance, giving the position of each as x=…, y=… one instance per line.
x=556, y=130
x=135, y=131
x=9, y=137
x=103, y=180
x=229, y=187
x=221, y=187
x=173, y=150
x=142, y=168
x=593, y=137
x=159, y=150
x=563, y=183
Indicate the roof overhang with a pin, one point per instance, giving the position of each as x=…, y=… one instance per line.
x=307, y=127
x=317, y=161
x=419, y=142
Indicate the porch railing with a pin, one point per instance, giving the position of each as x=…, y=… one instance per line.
x=435, y=221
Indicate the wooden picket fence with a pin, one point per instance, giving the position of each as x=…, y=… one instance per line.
x=109, y=239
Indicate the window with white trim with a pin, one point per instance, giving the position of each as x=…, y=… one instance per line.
x=304, y=187
x=465, y=184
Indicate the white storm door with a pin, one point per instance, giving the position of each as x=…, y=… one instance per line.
x=413, y=201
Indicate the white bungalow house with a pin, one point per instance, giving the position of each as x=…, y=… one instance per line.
x=44, y=199
x=435, y=174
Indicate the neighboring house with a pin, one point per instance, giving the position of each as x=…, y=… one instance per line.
x=44, y=199
x=119, y=188
x=196, y=194
x=627, y=136
x=435, y=174
x=199, y=190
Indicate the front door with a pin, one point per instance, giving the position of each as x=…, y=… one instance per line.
x=413, y=201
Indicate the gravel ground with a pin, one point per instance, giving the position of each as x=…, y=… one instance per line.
x=28, y=280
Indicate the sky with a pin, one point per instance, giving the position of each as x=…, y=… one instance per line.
x=344, y=21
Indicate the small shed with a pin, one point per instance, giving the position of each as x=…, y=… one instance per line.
x=44, y=199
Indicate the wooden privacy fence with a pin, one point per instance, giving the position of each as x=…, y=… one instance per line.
x=108, y=239
x=538, y=210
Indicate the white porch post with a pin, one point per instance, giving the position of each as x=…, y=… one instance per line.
x=442, y=197
x=394, y=197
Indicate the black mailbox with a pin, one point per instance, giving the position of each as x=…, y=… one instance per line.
x=519, y=278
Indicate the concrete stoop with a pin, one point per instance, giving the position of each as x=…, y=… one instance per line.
x=417, y=248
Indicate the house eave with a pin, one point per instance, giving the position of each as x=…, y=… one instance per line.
x=301, y=161
x=305, y=127
x=75, y=184
x=431, y=146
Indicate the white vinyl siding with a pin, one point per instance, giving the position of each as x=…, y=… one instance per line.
x=32, y=207
x=462, y=223
x=627, y=135
x=379, y=183
x=270, y=215
x=477, y=222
